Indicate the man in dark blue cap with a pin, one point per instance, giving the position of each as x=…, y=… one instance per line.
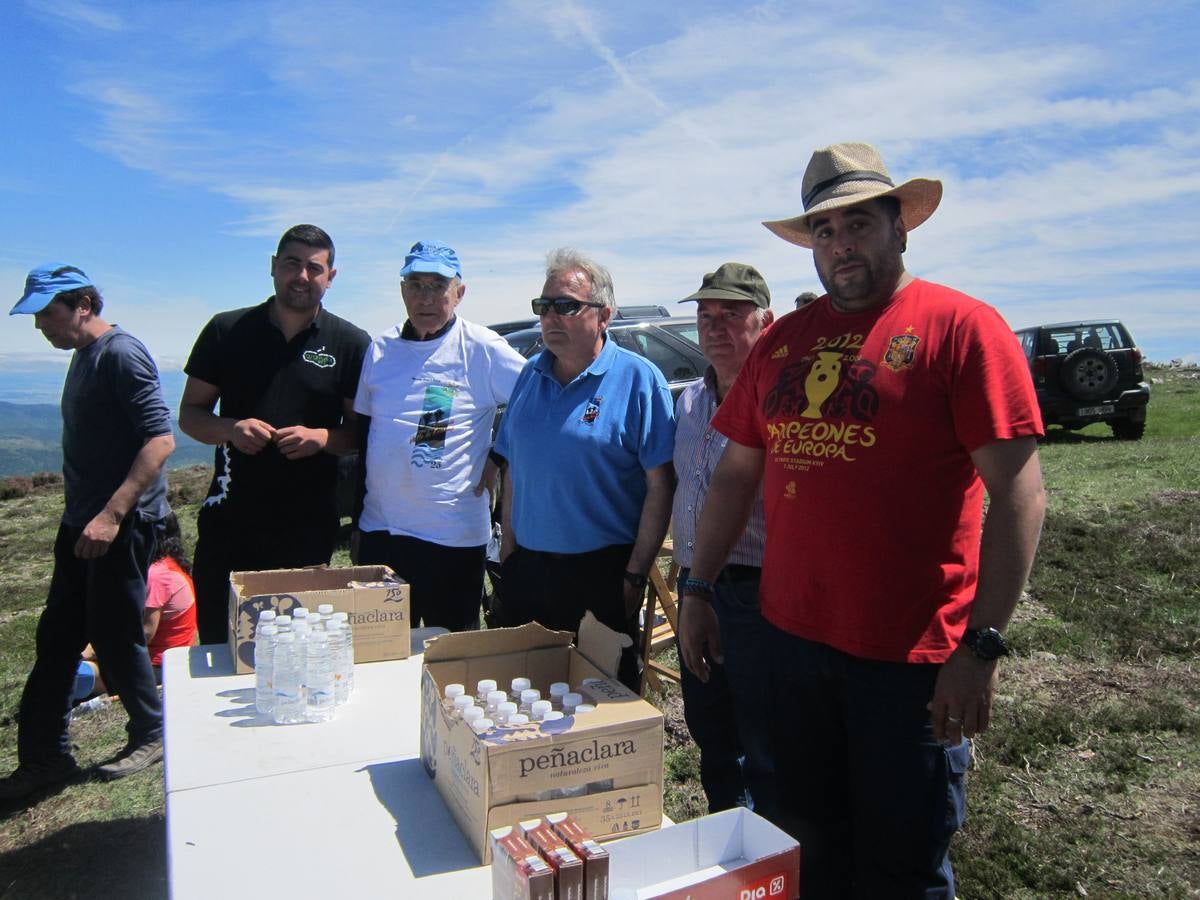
x=116, y=438
x=285, y=373
x=430, y=389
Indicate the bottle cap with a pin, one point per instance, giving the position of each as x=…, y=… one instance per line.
x=559, y=688
x=267, y=629
x=520, y=684
x=285, y=637
x=462, y=701
x=454, y=690
x=541, y=707
x=479, y=726
x=267, y=615
x=472, y=714
x=506, y=708
x=530, y=695
x=283, y=621
x=299, y=613
x=552, y=715
x=496, y=697
x=485, y=686
x=572, y=699
x=325, y=609
x=584, y=708
x=518, y=719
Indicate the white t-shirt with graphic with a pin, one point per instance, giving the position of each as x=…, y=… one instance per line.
x=432, y=405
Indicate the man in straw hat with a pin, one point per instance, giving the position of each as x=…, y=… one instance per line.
x=876, y=419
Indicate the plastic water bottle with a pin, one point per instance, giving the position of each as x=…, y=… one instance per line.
x=529, y=696
x=264, y=666
x=484, y=687
x=518, y=685
x=321, y=699
x=289, y=701
x=324, y=611
x=557, y=690
x=344, y=618
x=283, y=623
x=302, y=630
x=335, y=635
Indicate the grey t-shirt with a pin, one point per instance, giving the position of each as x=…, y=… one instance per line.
x=112, y=402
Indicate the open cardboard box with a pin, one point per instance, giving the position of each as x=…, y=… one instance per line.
x=375, y=599
x=612, y=758
x=730, y=855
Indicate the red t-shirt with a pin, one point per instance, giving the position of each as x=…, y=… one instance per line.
x=873, y=505
x=170, y=589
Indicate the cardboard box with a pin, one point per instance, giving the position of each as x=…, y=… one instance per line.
x=568, y=868
x=609, y=762
x=518, y=872
x=730, y=855
x=376, y=600
x=595, y=857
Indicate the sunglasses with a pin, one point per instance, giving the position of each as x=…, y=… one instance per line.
x=564, y=306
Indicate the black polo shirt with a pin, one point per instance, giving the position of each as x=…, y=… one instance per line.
x=304, y=381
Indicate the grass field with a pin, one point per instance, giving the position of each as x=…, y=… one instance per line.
x=1088, y=783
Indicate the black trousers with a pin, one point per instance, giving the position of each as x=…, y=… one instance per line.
x=556, y=589
x=228, y=541
x=102, y=601
x=445, y=583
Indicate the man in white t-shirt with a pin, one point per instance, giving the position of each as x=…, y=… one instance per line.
x=430, y=389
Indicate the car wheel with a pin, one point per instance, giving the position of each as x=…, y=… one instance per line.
x=1088, y=373
x=1125, y=430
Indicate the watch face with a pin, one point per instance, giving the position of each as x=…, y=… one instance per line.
x=989, y=644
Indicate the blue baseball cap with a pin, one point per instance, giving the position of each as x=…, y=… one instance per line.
x=45, y=283
x=432, y=256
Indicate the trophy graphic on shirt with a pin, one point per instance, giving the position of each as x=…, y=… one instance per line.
x=822, y=380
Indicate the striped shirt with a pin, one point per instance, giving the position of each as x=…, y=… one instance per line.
x=698, y=449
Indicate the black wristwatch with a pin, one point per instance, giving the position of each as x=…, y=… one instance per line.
x=638, y=581
x=986, y=643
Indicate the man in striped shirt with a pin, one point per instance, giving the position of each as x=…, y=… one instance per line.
x=733, y=309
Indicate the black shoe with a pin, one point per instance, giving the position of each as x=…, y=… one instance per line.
x=29, y=778
x=133, y=759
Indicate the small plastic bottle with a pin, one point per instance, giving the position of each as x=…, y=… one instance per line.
x=570, y=701
x=504, y=712
x=494, y=699
x=303, y=631
x=529, y=696
x=518, y=685
x=335, y=634
x=324, y=611
x=484, y=687
x=348, y=652
x=556, y=693
x=472, y=714
x=321, y=696
x=461, y=703
x=264, y=665
x=517, y=719
x=479, y=726
x=538, y=710
x=288, y=708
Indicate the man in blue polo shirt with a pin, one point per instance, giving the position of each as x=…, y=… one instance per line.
x=587, y=437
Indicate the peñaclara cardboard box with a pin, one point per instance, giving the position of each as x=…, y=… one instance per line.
x=376, y=600
x=604, y=767
x=730, y=855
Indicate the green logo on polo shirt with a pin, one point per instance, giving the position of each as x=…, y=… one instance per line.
x=319, y=358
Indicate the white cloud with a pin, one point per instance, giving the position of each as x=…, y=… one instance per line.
x=84, y=16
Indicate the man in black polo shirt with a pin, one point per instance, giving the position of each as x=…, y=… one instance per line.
x=285, y=373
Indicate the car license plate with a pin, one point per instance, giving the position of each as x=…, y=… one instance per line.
x=1103, y=410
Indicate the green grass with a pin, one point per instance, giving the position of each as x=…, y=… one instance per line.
x=1088, y=781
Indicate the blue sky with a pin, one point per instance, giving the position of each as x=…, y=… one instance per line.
x=163, y=147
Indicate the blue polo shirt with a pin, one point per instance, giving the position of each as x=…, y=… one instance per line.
x=579, y=452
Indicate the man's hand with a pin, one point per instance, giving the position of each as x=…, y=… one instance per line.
x=699, y=636
x=98, y=536
x=634, y=598
x=251, y=435
x=962, y=698
x=297, y=442
x=488, y=480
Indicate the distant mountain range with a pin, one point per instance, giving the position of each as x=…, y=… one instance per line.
x=31, y=424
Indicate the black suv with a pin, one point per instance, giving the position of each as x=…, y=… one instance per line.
x=1087, y=372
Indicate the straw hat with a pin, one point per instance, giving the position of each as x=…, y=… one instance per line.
x=845, y=174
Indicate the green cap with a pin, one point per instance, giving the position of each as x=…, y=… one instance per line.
x=734, y=281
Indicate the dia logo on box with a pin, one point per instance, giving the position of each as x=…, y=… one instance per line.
x=771, y=886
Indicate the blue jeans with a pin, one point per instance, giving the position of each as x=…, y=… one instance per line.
x=863, y=785
x=735, y=762
x=102, y=601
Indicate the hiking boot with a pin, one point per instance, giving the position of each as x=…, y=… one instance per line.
x=29, y=778
x=132, y=760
